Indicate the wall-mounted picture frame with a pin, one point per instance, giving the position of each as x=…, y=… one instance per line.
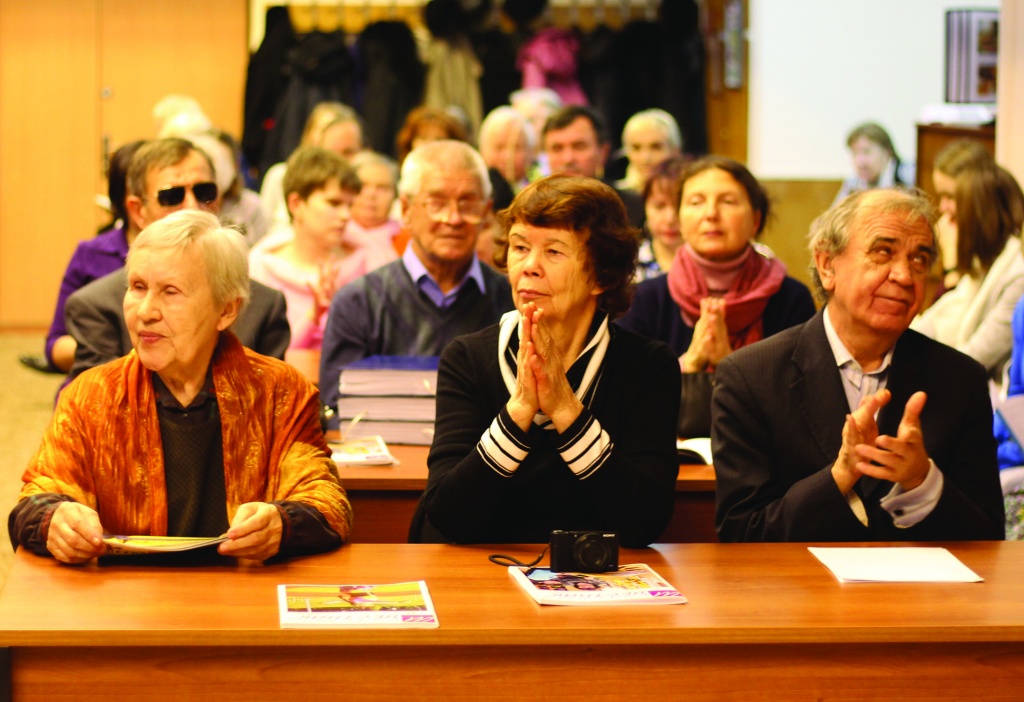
x=972, y=52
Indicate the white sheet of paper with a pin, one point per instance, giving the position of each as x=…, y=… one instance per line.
x=889, y=564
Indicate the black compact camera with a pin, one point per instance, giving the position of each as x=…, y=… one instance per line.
x=584, y=551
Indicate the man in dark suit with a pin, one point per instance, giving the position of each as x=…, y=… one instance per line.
x=94, y=315
x=851, y=427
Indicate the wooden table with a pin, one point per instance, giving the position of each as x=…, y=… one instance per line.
x=385, y=497
x=764, y=621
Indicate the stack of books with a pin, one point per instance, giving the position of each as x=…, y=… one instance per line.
x=389, y=396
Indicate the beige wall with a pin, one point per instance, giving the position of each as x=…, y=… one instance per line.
x=74, y=75
x=1010, y=72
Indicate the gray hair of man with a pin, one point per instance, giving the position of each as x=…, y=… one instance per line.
x=657, y=118
x=446, y=156
x=831, y=231
x=222, y=249
x=502, y=116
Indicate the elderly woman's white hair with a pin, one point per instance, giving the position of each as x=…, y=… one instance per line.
x=500, y=117
x=444, y=154
x=178, y=115
x=657, y=118
x=223, y=250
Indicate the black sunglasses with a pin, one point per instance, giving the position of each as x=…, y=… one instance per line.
x=171, y=197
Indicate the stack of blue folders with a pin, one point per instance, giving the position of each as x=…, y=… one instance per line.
x=389, y=396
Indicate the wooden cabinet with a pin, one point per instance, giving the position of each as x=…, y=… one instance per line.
x=932, y=138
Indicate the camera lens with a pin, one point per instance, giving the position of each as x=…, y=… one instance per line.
x=593, y=551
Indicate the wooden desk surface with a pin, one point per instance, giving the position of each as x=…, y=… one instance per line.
x=764, y=621
x=739, y=593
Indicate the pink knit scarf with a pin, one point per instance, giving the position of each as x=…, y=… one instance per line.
x=754, y=279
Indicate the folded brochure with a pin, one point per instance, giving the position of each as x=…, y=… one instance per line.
x=134, y=545
x=362, y=451
x=401, y=605
x=636, y=583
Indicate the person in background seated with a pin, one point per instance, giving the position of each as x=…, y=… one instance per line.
x=648, y=138
x=875, y=162
x=92, y=259
x=424, y=124
x=239, y=206
x=536, y=105
x=575, y=142
x=164, y=176
x=555, y=418
x=979, y=236
x=662, y=194
x=378, y=191
x=720, y=293
x=175, y=115
x=438, y=289
x=508, y=144
x=852, y=427
x=190, y=434
x=320, y=254
x=348, y=140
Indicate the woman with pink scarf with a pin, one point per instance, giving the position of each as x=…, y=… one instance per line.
x=722, y=290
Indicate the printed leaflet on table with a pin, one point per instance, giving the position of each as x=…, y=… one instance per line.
x=396, y=605
x=636, y=583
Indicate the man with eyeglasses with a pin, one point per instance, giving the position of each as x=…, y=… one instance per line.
x=438, y=289
x=164, y=176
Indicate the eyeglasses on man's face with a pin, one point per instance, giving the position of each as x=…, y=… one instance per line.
x=439, y=209
x=172, y=197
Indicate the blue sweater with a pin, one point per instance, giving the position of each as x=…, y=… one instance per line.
x=384, y=313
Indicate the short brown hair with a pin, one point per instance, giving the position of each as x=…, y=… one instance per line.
x=160, y=153
x=310, y=168
x=421, y=118
x=594, y=212
x=872, y=131
x=667, y=176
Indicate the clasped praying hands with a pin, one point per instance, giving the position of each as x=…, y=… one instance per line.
x=710, y=342
x=541, y=384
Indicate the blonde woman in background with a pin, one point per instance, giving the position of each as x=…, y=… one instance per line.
x=324, y=115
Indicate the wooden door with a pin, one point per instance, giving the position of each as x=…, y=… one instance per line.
x=49, y=155
x=76, y=75
x=149, y=50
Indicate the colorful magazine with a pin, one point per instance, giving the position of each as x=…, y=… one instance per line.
x=362, y=451
x=135, y=545
x=398, y=605
x=636, y=583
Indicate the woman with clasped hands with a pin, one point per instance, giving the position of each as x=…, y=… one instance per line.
x=190, y=434
x=554, y=418
x=723, y=290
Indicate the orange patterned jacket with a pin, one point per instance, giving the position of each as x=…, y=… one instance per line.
x=103, y=445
